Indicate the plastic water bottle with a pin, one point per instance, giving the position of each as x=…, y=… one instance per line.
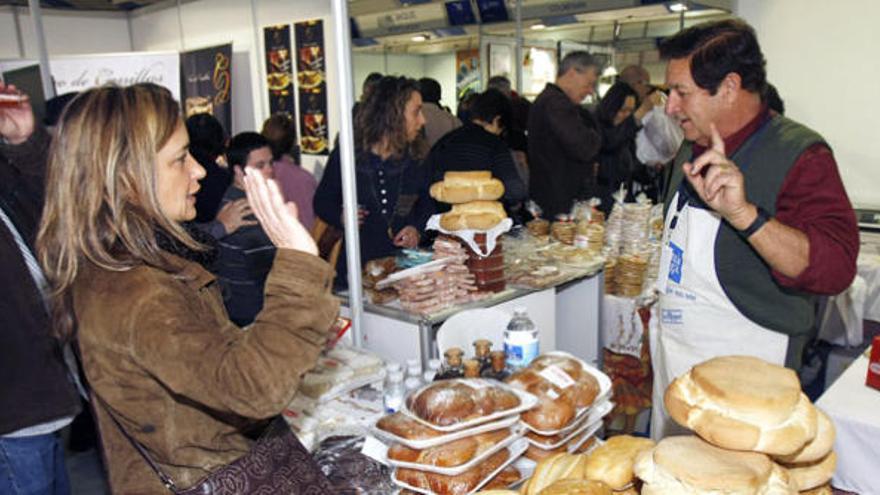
x=394, y=392
x=520, y=340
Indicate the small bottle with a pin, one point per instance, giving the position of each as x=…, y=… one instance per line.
x=499, y=370
x=394, y=392
x=482, y=347
x=453, y=367
x=432, y=371
x=413, y=375
x=471, y=368
x=520, y=340
x=412, y=383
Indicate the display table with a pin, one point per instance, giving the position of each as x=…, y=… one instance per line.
x=567, y=317
x=842, y=320
x=855, y=410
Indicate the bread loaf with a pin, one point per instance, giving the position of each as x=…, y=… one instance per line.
x=554, y=468
x=405, y=427
x=502, y=480
x=821, y=490
x=688, y=465
x=453, y=485
x=557, y=402
x=451, y=402
x=577, y=487
x=813, y=474
x=476, y=215
x=612, y=462
x=743, y=403
x=450, y=454
x=819, y=447
x=463, y=187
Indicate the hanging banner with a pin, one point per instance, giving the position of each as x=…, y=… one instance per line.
x=206, y=83
x=279, y=75
x=80, y=72
x=311, y=78
x=467, y=72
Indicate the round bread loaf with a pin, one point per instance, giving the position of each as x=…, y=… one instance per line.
x=476, y=215
x=612, y=462
x=743, y=403
x=463, y=187
x=821, y=490
x=403, y=426
x=577, y=487
x=813, y=474
x=682, y=465
x=817, y=448
x=554, y=468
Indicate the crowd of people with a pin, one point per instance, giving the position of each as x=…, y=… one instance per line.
x=180, y=264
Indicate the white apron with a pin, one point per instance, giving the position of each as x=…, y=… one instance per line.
x=697, y=320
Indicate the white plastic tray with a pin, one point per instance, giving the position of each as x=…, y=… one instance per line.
x=526, y=402
x=456, y=470
x=516, y=449
x=592, y=420
x=431, y=442
x=603, y=396
x=431, y=266
x=341, y=389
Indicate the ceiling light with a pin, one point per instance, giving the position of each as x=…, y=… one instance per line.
x=538, y=27
x=419, y=38
x=677, y=7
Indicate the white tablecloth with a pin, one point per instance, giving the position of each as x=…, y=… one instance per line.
x=855, y=410
x=842, y=321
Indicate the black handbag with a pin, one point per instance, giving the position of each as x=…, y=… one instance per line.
x=277, y=464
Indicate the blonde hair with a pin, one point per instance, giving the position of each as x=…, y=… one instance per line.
x=101, y=199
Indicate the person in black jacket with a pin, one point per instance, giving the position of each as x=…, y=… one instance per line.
x=38, y=397
x=392, y=187
x=562, y=146
x=619, y=118
x=478, y=145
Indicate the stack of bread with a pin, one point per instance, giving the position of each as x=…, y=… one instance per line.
x=572, y=399
x=429, y=292
x=473, y=196
x=754, y=424
x=454, y=436
x=612, y=463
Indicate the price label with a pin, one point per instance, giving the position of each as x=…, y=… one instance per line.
x=556, y=376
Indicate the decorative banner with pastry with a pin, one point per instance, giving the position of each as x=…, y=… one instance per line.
x=206, y=82
x=279, y=69
x=311, y=77
x=467, y=73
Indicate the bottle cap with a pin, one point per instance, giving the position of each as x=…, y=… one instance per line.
x=392, y=366
x=396, y=376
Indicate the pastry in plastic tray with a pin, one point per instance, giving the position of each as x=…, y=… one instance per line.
x=341, y=370
x=564, y=440
x=457, y=404
x=454, y=457
x=577, y=426
x=402, y=429
x=507, y=477
x=566, y=388
x=465, y=483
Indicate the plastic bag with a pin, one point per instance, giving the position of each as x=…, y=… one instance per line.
x=660, y=137
x=351, y=472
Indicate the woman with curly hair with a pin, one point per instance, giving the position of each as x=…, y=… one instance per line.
x=392, y=187
x=171, y=373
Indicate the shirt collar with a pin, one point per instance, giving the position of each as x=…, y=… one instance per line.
x=735, y=140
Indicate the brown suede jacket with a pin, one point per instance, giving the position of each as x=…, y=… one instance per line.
x=159, y=349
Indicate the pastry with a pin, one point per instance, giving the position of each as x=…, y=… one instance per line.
x=464, y=187
x=405, y=427
x=554, y=468
x=813, y=474
x=612, y=462
x=577, y=487
x=476, y=215
x=817, y=448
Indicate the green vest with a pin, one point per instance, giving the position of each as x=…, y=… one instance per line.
x=765, y=159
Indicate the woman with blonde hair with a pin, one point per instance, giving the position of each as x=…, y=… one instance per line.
x=176, y=383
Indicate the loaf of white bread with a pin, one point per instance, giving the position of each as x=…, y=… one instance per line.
x=554, y=468
x=464, y=187
x=612, y=462
x=687, y=465
x=744, y=403
x=475, y=215
x=811, y=475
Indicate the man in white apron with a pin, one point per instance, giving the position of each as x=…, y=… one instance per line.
x=757, y=219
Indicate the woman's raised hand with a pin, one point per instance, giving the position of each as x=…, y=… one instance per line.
x=278, y=219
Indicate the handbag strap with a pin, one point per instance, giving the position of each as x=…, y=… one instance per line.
x=163, y=477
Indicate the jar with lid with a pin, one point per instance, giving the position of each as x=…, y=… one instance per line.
x=498, y=369
x=482, y=348
x=452, y=368
x=471, y=368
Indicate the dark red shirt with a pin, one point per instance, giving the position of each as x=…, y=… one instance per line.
x=813, y=200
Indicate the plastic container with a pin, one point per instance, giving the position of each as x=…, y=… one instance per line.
x=520, y=340
x=445, y=438
x=456, y=470
x=395, y=392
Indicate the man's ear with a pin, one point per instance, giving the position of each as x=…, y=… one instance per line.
x=731, y=85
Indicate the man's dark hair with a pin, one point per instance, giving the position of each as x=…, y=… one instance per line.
x=500, y=83
x=490, y=104
x=717, y=49
x=370, y=81
x=280, y=131
x=241, y=146
x=206, y=135
x=430, y=90
x=774, y=100
x=577, y=60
